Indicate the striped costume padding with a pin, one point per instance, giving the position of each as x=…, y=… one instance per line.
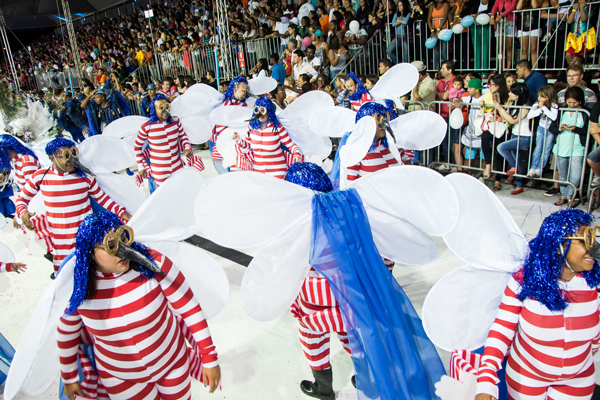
x=549, y=352
x=42, y=230
x=378, y=158
x=464, y=361
x=218, y=129
x=355, y=104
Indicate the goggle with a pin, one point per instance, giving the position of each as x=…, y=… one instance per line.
x=112, y=240
x=69, y=152
x=379, y=118
x=590, y=236
x=260, y=110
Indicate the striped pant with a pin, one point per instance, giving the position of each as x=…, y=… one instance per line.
x=523, y=385
x=42, y=230
x=176, y=385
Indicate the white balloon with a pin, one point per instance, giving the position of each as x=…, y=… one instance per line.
x=354, y=27
x=457, y=29
x=457, y=119
x=483, y=19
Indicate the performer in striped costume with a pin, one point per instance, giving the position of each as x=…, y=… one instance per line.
x=548, y=322
x=12, y=267
x=125, y=295
x=236, y=95
x=24, y=163
x=66, y=189
x=161, y=142
x=268, y=140
x=357, y=93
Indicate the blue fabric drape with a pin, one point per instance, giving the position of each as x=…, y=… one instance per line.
x=7, y=352
x=335, y=169
x=392, y=355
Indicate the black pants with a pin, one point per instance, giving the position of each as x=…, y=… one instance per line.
x=488, y=147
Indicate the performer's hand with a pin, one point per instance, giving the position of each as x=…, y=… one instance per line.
x=18, y=267
x=187, y=153
x=235, y=136
x=71, y=389
x=142, y=173
x=212, y=377
x=297, y=159
x=484, y=396
x=15, y=223
x=26, y=220
x=126, y=217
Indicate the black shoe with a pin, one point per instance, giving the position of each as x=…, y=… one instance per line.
x=53, y=276
x=48, y=256
x=322, y=387
x=553, y=191
x=353, y=380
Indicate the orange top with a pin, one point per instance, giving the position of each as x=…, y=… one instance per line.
x=437, y=16
x=324, y=21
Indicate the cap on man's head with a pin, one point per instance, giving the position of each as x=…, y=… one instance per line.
x=475, y=83
x=151, y=86
x=419, y=65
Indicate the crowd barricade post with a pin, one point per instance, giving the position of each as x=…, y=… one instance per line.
x=134, y=106
x=444, y=155
x=255, y=49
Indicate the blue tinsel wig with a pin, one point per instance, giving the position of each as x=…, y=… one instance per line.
x=310, y=176
x=5, y=167
x=153, y=117
x=232, y=85
x=371, y=108
x=264, y=101
x=543, y=265
x=360, y=88
x=10, y=143
x=90, y=234
x=391, y=109
x=59, y=143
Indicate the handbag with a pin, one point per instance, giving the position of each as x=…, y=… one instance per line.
x=483, y=122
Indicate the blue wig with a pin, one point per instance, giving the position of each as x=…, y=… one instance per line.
x=310, y=176
x=58, y=143
x=5, y=166
x=234, y=83
x=90, y=234
x=543, y=265
x=10, y=143
x=391, y=109
x=264, y=101
x=153, y=117
x=371, y=108
x=360, y=88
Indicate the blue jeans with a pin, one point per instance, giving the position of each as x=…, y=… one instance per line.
x=543, y=145
x=440, y=53
x=396, y=47
x=574, y=174
x=511, y=151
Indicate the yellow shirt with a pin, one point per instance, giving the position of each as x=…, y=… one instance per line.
x=139, y=56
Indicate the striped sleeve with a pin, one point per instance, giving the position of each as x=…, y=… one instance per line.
x=243, y=145
x=182, y=299
x=406, y=155
x=102, y=198
x=29, y=166
x=353, y=172
x=69, y=330
x=287, y=141
x=31, y=188
x=499, y=339
x=141, y=138
x=183, y=138
x=5, y=267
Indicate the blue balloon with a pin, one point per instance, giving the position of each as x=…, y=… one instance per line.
x=431, y=42
x=445, y=34
x=467, y=21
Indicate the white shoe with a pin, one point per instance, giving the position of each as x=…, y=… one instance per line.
x=443, y=168
x=530, y=173
x=595, y=182
x=454, y=170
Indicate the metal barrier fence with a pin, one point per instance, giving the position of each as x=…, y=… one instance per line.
x=463, y=149
x=366, y=59
x=50, y=79
x=257, y=49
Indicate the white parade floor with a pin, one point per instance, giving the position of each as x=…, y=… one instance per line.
x=258, y=360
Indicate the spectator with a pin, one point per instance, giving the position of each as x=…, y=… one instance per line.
x=307, y=87
x=425, y=90
x=442, y=90
x=498, y=93
x=102, y=111
x=321, y=50
x=511, y=79
x=469, y=137
x=210, y=77
x=437, y=19
x=169, y=89
x=370, y=81
x=399, y=45
x=570, y=145
x=457, y=90
x=574, y=79
x=338, y=55
x=323, y=83
x=520, y=139
x=278, y=96
x=593, y=159
x=302, y=67
x=529, y=31
x=384, y=65
x=561, y=80
x=581, y=38
x=261, y=70
x=503, y=20
x=533, y=79
x=277, y=70
x=546, y=108
x=147, y=100
x=356, y=41
x=287, y=56
x=311, y=59
x=305, y=9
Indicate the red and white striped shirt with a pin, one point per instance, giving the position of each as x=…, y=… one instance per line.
x=67, y=200
x=165, y=140
x=5, y=267
x=171, y=94
x=551, y=345
x=220, y=128
x=266, y=143
x=136, y=335
x=24, y=166
x=366, y=97
x=378, y=158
